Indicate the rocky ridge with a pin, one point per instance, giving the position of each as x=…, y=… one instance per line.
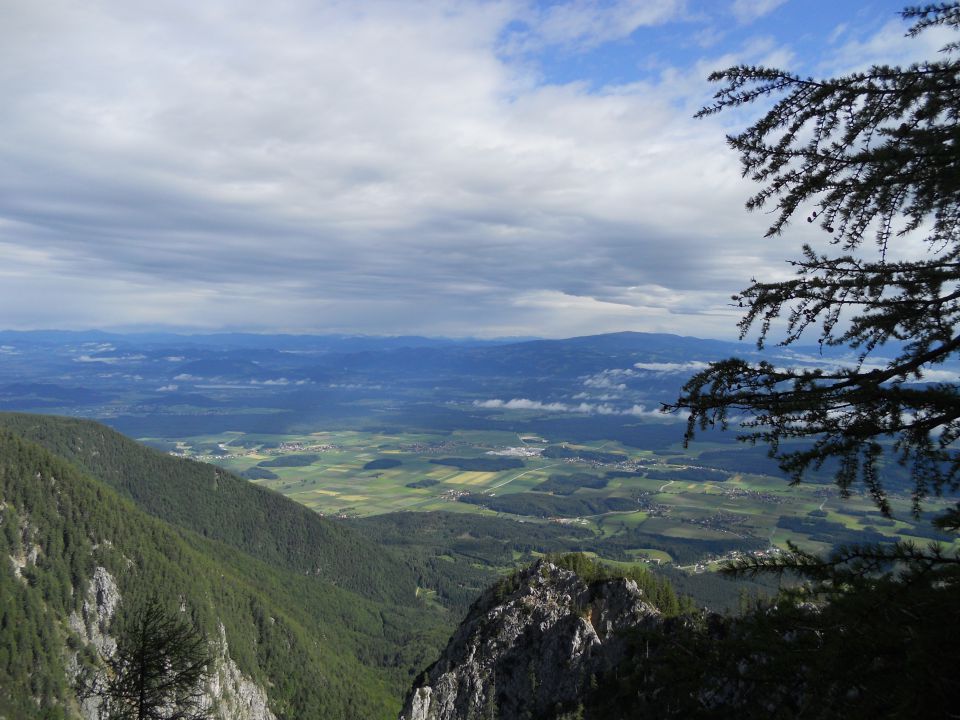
x=529, y=647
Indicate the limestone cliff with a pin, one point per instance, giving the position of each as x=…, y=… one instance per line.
x=546, y=645
x=529, y=647
x=228, y=693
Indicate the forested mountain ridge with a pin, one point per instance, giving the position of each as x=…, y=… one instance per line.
x=314, y=649
x=220, y=506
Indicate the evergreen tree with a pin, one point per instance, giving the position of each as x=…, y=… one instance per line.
x=158, y=669
x=873, y=157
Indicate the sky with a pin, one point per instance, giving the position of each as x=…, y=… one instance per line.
x=485, y=169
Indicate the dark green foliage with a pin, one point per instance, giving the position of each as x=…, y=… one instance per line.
x=541, y=505
x=425, y=483
x=825, y=531
x=459, y=555
x=885, y=645
x=258, y=473
x=221, y=506
x=382, y=464
x=320, y=650
x=161, y=445
x=874, y=631
x=716, y=591
x=32, y=684
x=928, y=532
x=505, y=586
x=656, y=589
x=569, y=484
x=481, y=464
x=158, y=669
x=689, y=474
x=210, y=449
x=302, y=460
x=876, y=152
x=685, y=551
x=745, y=460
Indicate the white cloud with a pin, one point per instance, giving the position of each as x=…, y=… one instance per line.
x=888, y=45
x=382, y=168
x=524, y=404
x=802, y=361
x=665, y=368
x=168, y=388
x=642, y=411
x=319, y=168
x=938, y=376
x=582, y=408
x=608, y=379
x=109, y=359
x=746, y=11
x=587, y=23
x=603, y=397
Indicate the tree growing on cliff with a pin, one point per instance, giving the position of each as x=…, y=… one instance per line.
x=158, y=669
x=873, y=157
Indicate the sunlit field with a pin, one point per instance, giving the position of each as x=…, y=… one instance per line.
x=630, y=494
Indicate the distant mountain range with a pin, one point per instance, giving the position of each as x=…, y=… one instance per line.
x=147, y=383
x=309, y=617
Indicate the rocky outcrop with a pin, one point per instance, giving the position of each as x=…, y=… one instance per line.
x=92, y=624
x=93, y=621
x=228, y=694
x=29, y=551
x=529, y=647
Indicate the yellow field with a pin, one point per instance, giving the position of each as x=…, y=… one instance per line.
x=471, y=478
x=338, y=482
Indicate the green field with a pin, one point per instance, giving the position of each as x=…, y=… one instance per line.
x=648, y=506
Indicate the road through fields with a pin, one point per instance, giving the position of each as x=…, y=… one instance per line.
x=520, y=475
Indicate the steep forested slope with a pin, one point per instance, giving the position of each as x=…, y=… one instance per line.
x=318, y=649
x=221, y=506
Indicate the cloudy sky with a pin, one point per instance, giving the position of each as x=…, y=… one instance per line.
x=490, y=168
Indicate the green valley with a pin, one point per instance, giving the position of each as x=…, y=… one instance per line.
x=666, y=505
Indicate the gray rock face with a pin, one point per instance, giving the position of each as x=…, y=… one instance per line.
x=30, y=551
x=99, y=606
x=528, y=649
x=228, y=695
x=232, y=695
x=92, y=624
